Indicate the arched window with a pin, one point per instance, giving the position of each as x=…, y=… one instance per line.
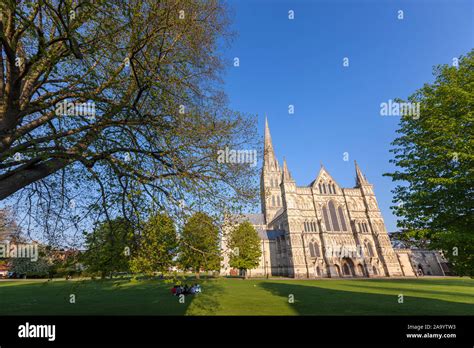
x=324, y=188
x=369, y=249
x=341, y=218
x=305, y=226
x=316, y=249
x=311, y=250
x=333, y=188
x=320, y=189
x=315, y=227
x=326, y=219
x=273, y=200
x=332, y=211
x=278, y=200
x=329, y=188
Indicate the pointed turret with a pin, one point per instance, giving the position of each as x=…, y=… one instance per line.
x=270, y=179
x=269, y=159
x=360, y=178
x=286, y=176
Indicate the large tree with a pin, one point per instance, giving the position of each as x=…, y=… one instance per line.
x=109, y=247
x=108, y=105
x=244, y=246
x=435, y=156
x=157, y=246
x=199, y=244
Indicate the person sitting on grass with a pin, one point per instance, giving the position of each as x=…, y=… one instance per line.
x=186, y=290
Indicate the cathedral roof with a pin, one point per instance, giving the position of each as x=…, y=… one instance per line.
x=258, y=221
x=271, y=234
x=254, y=219
x=323, y=173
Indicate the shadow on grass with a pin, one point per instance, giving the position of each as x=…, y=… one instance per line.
x=465, y=282
x=313, y=300
x=464, y=297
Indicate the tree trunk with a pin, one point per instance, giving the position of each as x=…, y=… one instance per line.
x=20, y=179
x=198, y=275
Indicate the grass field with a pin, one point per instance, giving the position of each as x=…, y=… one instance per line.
x=221, y=296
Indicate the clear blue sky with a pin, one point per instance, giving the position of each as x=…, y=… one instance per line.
x=337, y=109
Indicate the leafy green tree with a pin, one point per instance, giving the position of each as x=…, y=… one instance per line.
x=116, y=102
x=27, y=267
x=157, y=246
x=435, y=157
x=245, y=248
x=109, y=247
x=199, y=244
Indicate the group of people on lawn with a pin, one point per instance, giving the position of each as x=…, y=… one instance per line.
x=186, y=290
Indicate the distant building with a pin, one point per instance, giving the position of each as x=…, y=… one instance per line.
x=323, y=230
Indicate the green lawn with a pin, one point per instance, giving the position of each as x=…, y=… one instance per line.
x=428, y=296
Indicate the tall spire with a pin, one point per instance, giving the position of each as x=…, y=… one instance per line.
x=360, y=178
x=286, y=176
x=269, y=154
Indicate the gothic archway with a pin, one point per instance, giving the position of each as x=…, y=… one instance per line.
x=361, y=270
x=317, y=271
x=338, y=270
x=348, y=267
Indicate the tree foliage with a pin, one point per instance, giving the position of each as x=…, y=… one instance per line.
x=157, y=246
x=199, y=244
x=109, y=247
x=109, y=106
x=245, y=247
x=435, y=157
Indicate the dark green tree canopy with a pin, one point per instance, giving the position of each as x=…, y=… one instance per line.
x=244, y=246
x=435, y=157
x=156, y=247
x=199, y=244
x=109, y=246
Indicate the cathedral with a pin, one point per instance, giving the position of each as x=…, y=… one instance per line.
x=320, y=230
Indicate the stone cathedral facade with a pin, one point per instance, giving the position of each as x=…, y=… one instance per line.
x=319, y=230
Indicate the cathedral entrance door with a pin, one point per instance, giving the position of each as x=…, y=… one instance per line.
x=348, y=267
